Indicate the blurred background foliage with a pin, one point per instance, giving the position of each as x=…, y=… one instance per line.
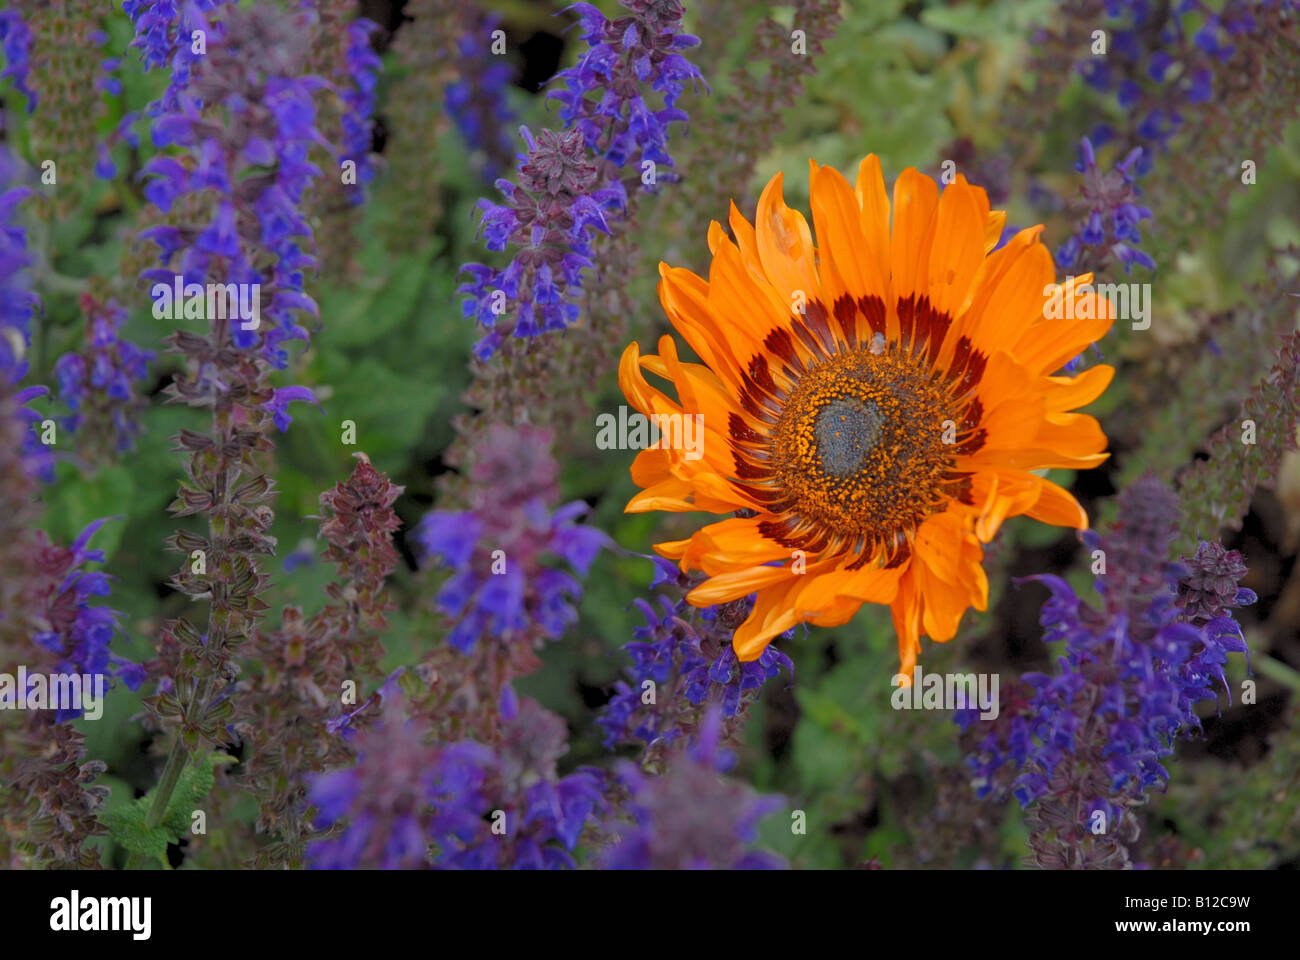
x=916, y=83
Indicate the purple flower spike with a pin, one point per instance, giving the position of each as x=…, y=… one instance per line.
x=685, y=655
x=691, y=817
x=507, y=586
x=1093, y=735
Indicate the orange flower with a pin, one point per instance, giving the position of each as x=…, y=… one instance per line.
x=872, y=407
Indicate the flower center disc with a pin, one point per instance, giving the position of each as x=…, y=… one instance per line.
x=859, y=447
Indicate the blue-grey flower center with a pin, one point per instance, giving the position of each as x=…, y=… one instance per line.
x=847, y=429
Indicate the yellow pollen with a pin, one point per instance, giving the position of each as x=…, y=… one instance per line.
x=880, y=469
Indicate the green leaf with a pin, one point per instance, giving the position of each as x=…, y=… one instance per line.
x=382, y=303
x=126, y=824
x=195, y=784
x=960, y=21
x=74, y=501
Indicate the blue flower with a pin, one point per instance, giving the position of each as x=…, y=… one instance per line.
x=15, y=44
x=17, y=302
x=220, y=238
x=163, y=32
x=691, y=816
x=300, y=556
x=278, y=405
x=97, y=384
x=80, y=633
x=550, y=217
x=362, y=67
x=506, y=583
x=457, y=805
x=569, y=182
x=1200, y=88
x=686, y=657
x=383, y=800
x=1107, y=216
x=477, y=101
x=604, y=85
x=514, y=784
x=1130, y=675
x=256, y=219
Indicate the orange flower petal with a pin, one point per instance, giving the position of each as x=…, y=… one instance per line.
x=958, y=247
x=772, y=615
x=1058, y=507
x=785, y=244
x=916, y=200
x=873, y=201
x=735, y=584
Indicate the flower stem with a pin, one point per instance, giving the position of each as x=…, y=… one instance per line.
x=222, y=426
x=1278, y=672
x=162, y=795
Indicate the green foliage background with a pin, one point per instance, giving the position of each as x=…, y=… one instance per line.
x=902, y=80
